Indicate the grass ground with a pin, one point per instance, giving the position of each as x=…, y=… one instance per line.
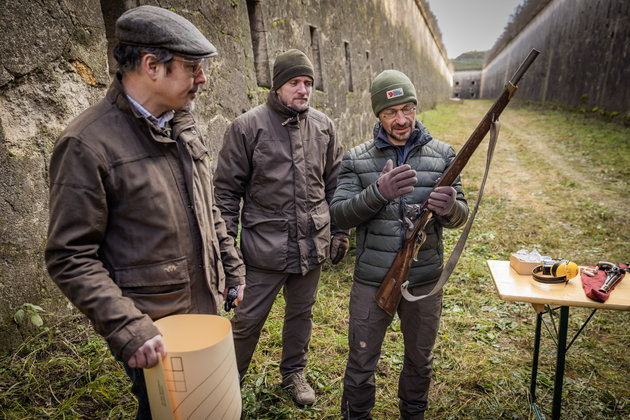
x=558, y=183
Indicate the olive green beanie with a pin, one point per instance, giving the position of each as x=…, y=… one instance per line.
x=390, y=88
x=290, y=64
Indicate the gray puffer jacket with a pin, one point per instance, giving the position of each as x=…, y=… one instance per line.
x=379, y=236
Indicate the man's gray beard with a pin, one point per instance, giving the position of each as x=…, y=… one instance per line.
x=398, y=138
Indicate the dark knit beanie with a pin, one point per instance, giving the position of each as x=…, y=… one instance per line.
x=390, y=88
x=290, y=64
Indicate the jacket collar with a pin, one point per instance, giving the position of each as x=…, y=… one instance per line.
x=419, y=137
x=289, y=115
x=181, y=120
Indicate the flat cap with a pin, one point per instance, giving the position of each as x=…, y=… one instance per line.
x=155, y=27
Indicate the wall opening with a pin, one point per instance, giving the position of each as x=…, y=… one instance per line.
x=348, y=67
x=111, y=12
x=368, y=68
x=259, y=43
x=319, y=79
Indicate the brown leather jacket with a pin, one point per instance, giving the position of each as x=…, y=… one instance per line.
x=284, y=166
x=134, y=235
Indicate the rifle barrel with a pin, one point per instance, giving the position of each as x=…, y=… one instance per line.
x=389, y=293
x=482, y=129
x=524, y=66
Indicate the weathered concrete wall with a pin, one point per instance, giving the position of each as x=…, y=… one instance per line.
x=466, y=84
x=584, y=60
x=51, y=69
x=54, y=64
x=357, y=40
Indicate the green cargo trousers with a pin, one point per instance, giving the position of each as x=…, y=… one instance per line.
x=419, y=322
x=300, y=293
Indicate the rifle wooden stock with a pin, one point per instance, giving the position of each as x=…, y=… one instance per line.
x=388, y=294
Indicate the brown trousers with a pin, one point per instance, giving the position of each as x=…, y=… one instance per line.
x=300, y=293
x=419, y=322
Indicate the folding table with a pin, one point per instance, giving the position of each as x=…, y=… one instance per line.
x=514, y=287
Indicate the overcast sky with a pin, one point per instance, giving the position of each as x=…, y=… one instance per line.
x=471, y=25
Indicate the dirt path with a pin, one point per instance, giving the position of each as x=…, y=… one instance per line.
x=551, y=168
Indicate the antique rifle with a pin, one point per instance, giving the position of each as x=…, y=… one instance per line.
x=389, y=293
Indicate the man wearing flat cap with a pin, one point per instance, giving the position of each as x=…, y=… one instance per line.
x=281, y=160
x=134, y=234
x=377, y=181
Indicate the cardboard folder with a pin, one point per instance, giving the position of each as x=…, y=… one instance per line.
x=198, y=377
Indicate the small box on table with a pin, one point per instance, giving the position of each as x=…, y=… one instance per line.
x=522, y=267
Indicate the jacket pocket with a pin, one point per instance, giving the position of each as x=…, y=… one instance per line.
x=321, y=233
x=158, y=289
x=264, y=243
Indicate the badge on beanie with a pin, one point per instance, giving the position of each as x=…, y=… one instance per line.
x=395, y=93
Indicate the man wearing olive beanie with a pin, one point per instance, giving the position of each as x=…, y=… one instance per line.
x=281, y=160
x=377, y=181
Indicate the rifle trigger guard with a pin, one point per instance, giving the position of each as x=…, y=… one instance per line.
x=419, y=241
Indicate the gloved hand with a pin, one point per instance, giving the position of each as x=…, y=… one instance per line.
x=441, y=200
x=338, y=247
x=392, y=183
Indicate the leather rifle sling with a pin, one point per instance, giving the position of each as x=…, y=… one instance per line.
x=459, y=247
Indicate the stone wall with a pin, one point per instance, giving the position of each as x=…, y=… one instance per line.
x=584, y=56
x=466, y=84
x=55, y=61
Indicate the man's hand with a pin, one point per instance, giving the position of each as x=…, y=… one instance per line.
x=338, y=247
x=149, y=353
x=392, y=183
x=441, y=200
x=240, y=288
x=239, y=294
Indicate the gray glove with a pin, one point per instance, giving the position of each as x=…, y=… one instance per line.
x=392, y=183
x=338, y=247
x=441, y=200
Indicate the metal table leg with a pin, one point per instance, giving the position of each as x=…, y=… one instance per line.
x=559, y=335
x=560, y=359
x=532, y=392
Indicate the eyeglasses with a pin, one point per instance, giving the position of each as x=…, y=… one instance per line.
x=408, y=110
x=193, y=66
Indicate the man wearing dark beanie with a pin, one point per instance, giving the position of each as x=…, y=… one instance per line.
x=377, y=181
x=281, y=159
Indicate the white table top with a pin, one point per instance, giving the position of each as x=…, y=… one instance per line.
x=515, y=287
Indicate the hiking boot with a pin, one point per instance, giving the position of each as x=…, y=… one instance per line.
x=300, y=391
